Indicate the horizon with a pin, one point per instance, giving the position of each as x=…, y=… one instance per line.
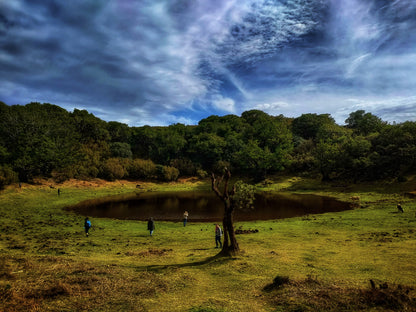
x=197, y=122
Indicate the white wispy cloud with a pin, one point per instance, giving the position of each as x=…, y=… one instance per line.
x=161, y=62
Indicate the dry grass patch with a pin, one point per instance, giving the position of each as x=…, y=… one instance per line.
x=311, y=294
x=149, y=253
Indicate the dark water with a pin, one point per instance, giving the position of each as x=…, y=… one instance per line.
x=205, y=206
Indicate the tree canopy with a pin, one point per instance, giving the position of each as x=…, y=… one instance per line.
x=47, y=141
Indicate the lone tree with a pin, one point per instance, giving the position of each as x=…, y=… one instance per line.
x=240, y=196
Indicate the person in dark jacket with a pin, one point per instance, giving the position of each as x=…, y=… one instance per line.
x=399, y=207
x=218, y=234
x=150, y=226
x=87, y=225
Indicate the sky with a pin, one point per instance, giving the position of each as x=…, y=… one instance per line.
x=160, y=62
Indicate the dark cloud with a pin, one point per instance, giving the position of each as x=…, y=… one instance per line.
x=161, y=62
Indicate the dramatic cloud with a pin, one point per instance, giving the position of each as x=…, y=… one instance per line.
x=160, y=62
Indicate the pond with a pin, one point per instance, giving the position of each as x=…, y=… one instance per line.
x=204, y=206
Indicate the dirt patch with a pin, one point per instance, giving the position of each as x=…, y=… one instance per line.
x=74, y=183
x=150, y=252
x=312, y=295
x=50, y=292
x=410, y=194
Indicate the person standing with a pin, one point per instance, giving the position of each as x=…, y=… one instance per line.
x=399, y=207
x=150, y=226
x=185, y=218
x=218, y=234
x=87, y=226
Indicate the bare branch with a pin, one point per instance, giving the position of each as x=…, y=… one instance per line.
x=214, y=185
x=227, y=179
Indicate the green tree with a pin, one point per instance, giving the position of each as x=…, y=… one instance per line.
x=207, y=149
x=307, y=126
x=241, y=195
x=160, y=144
x=364, y=123
x=90, y=128
x=121, y=149
x=255, y=160
x=38, y=138
x=329, y=152
x=356, y=159
x=395, y=150
x=328, y=156
x=268, y=143
x=119, y=132
x=142, y=141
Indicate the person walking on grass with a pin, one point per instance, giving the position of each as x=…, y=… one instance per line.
x=87, y=226
x=185, y=218
x=150, y=226
x=399, y=208
x=218, y=234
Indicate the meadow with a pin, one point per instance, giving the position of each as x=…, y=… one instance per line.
x=362, y=259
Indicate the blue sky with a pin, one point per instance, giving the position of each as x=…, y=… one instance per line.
x=159, y=62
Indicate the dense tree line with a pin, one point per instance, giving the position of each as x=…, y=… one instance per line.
x=47, y=141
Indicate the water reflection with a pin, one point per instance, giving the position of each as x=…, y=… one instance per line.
x=205, y=206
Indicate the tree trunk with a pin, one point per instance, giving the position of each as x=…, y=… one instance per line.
x=230, y=245
x=233, y=248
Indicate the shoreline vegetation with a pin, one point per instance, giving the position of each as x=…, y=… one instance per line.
x=357, y=260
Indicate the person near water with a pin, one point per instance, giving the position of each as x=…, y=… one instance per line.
x=185, y=218
x=218, y=234
x=150, y=226
x=399, y=207
x=87, y=226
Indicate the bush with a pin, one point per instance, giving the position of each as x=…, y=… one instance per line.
x=185, y=166
x=202, y=174
x=113, y=169
x=166, y=173
x=7, y=176
x=141, y=169
x=81, y=171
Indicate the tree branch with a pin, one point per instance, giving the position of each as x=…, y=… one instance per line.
x=227, y=178
x=214, y=185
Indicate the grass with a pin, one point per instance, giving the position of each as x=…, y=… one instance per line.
x=312, y=263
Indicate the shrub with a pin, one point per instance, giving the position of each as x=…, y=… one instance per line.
x=113, y=169
x=82, y=171
x=185, y=166
x=142, y=169
x=166, y=173
x=202, y=174
x=7, y=176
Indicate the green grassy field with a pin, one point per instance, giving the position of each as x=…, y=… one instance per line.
x=313, y=263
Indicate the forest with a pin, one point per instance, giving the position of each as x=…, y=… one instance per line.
x=45, y=140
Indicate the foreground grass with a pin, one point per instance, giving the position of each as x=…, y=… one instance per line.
x=313, y=263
